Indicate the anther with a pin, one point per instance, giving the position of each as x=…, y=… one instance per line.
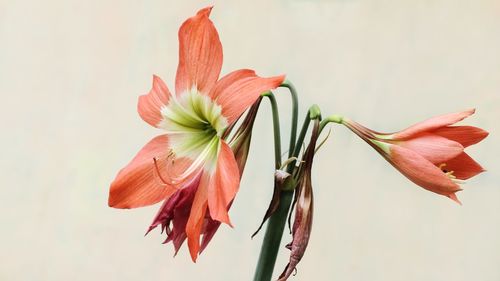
x=163, y=182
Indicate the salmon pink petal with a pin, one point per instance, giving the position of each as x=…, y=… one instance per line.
x=420, y=171
x=224, y=183
x=238, y=90
x=137, y=185
x=454, y=197
x=432, y=124
x=463, y=166
x=149, y=106
x=435, y=149
x=200, y=54
x=465, y=135
x=197, y=217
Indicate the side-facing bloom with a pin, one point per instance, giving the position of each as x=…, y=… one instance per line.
x=191, y=166
x=430, y=153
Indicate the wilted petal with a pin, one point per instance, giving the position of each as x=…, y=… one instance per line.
x=174, y=213
x=304, y=206
x=240, y=142
x=302, y=225
x=281, y=179
x=210, y=229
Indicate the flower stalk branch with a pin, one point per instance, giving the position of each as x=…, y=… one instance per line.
x=295, y=112
x=278, y=219
x=276, y=129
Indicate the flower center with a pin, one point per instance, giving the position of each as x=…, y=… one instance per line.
x=194, y=123
x=450, y=174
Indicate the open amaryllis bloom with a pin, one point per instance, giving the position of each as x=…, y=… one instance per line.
x=174, y=212
x=429, y=153
x=191, y=166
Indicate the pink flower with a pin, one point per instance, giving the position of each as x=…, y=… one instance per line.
x=174, y=212
x=430, y=153
x=191, y=165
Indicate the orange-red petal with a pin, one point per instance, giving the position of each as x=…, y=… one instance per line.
x=434, y=148
x=432, y=124
x=223, y=185
x=149, y=106
x=137, y=185
x=196, y=217
x=421, y=171
x=463, y=166
x=238, y=90
x=200, y=54
x=465, y=135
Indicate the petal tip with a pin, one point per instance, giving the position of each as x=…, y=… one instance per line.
x=112, y=200
x=280, y=78
x=205, y=11
x=454, y=197
x=156, y=78
x=223, y=217
x=194, y=255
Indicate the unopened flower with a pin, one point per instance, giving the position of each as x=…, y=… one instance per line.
x=430, y=153
x=191, y=165
x=302, y=224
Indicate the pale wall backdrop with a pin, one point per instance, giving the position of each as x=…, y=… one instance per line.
x=70, y=74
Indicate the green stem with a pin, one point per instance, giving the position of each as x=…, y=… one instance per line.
x=300, y=140
x=277, y=222
x=332, y=118
x=295, y=113
x=276, y=129
x=272, y=238
x=313, y=113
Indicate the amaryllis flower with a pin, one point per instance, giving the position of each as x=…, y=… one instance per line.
x=304, y=206
x=192, y=159
x=174, y=212
x=430, y=153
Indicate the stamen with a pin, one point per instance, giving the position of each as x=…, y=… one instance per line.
x=459, y=181
x=288, y=161
x=177, y=180
x=163, y=181
x=450, y=175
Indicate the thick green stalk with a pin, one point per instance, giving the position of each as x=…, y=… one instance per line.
x=272, y=238
x=277, y=222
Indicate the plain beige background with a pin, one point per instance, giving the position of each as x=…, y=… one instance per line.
x=70, y=75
